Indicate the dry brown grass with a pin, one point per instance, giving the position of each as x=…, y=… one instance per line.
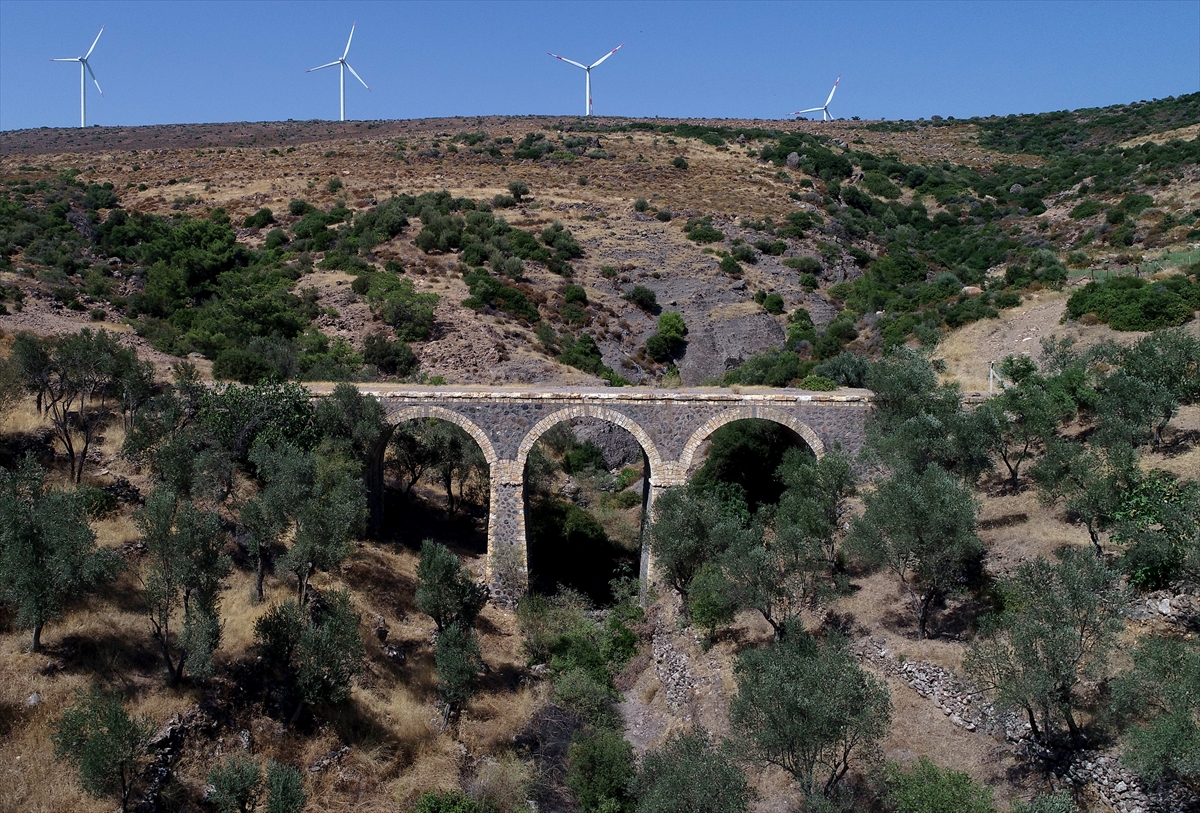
x=920, y=729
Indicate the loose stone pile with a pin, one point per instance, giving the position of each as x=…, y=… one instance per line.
x=671, y=667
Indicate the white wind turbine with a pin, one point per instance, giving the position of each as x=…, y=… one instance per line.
x=84, y=67
x=344, y=65
x=825, y=107
x=587, y=87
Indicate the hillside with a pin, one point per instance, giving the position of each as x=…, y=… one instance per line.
x=560, y=250
x=872, y=220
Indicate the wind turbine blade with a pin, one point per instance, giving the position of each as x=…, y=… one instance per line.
x=809, y=110
x=67, y=59
x=564, y=59
x=93, y=48
x=93, y=74
x=326, y=65
x=356, y=76
x=606, y=56
x=347, y=51
x=835, y=84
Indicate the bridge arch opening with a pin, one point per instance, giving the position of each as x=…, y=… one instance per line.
x=586, y=485
x=439, y=472
x=744, y=447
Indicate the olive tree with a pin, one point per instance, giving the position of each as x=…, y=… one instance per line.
x=48, y=552
x=1057, y=629
x=105, y=744
x=445, y=590
x=317, y=497
x=1160, y=699
x=805, y=705
x=691, y=528
x=921, y=527
x=75, y=377
x=691, y=773
x=317, y=646
x=185, y=565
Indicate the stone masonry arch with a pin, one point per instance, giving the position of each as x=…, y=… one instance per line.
x=741, y=413
x=670, y=426
x=416, y=413
x=602, y=413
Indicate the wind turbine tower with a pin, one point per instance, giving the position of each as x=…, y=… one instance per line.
x=343, y=66
x=84, y=69
x=825, y=107
x=587, y=87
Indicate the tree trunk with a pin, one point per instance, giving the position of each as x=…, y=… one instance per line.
x=37, y=638
x=296, y=714
x=923, y=615
x=258, y=576
x=302, y=584
x=1033, y=726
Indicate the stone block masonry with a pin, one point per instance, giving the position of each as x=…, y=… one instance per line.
x=670, y=425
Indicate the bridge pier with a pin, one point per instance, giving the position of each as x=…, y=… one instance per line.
x=507, y=544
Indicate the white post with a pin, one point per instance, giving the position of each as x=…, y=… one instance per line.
x=82, y=95
x=587, y=93
x=342, y=72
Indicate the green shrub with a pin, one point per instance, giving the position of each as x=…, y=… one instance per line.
x=285, y=789
x=773, y=304
x=518, y=189
x=601, y=771
x=805, y=265
x=504, y=201
x=731, y=266
x=390, y=356
x=262, y=217
x=818, y=383
x=1130, y=303
x=880, y=185
x=299, y=208
x=679, y=162
x=575, y=293
x=335, y=183
x=709, y=602
x=692, y=774
x=1060, y=802
x=276, y=238
x=237, y=784
x=452, y=801
x=584, y=457
x=664, y=215
x=237, y=364
x=845, y=369
x=644, y=298
x=926, y=788
x=1087, y=208
x=640, y=205
x=808, y=282
x=744, y=254
x=700, y=230
x=396, y=301
x=658, y=348
x=579, y=691
x=774, y=368
x=1008, y=299
x=97, y=314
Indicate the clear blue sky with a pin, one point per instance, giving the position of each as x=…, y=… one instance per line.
x=172, y=62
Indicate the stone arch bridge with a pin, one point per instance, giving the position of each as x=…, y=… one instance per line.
x=670, y=425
